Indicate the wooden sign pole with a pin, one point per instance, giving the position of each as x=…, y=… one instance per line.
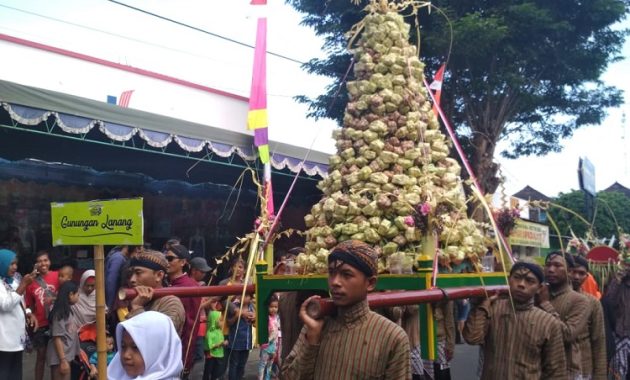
x=98, y=222
x=101, y=344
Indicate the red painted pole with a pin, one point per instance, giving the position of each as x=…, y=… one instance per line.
x=191, y=291
x=325, y=306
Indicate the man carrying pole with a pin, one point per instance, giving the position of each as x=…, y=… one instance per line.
x=592, y=341
x=149, y=269
x=356, y=343
x=566, y=305
x=519, y=340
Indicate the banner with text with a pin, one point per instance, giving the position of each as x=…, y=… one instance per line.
x=109, y=222
x=530, y=234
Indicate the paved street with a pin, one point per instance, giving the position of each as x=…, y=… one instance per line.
x=464, y=367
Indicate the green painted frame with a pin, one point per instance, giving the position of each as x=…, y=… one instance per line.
x=267, y=284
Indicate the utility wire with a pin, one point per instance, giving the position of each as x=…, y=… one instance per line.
x=143, y=41
x=180, y=23
x=106, y=32
x=151, y=43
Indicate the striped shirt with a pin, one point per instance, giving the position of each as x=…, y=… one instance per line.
x=522, y=342
x=356, y=344
x=570, y=308
x=592, y=342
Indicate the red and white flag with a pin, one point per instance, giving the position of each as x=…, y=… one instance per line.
x=436, y=86
x=125, y=97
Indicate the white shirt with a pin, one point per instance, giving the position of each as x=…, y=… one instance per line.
x=12, y=320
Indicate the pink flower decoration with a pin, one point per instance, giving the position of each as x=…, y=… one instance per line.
x=409, y=221
x=425, y=209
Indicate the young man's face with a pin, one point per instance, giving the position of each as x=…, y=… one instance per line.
x=523, y=285
x=175, y=264
x=556, y=271
x=146, y=277
x=347, y=284
x=43, y=264
x=578, y=276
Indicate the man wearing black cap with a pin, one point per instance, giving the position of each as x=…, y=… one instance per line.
x=356, y=343
x=567, y=306
x=177, y=256
x=592, y=341
x=199, y=269
x=519, y=340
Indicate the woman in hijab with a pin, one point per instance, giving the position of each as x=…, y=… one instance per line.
x=84, y=312
x=149, y=349
x=85, y=309
x=12, y=320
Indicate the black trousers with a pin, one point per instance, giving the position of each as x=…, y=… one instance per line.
x=11, y=365
x=236, y=365
x=441, y=374
x=213, y=368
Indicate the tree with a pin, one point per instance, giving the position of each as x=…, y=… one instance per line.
x=526, y=71
x=612, y=210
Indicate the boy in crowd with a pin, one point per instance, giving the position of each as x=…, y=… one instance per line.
x=592, y=341
x=356, y=343
x=568, y=307
x=523, y=342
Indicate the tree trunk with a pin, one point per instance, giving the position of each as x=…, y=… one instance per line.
x=485, y=169
x=483, y=165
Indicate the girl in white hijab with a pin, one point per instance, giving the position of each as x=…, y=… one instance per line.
x=148, y=349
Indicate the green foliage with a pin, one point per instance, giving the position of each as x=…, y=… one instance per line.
x=528, y=71
x=612, y=209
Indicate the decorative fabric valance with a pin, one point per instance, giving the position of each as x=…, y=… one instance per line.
x=31, y=106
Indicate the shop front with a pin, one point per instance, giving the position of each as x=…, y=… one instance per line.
x=56, y=147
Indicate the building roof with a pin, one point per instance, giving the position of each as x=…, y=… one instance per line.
x=76, y=115
x=530, y=194
x=619, y=188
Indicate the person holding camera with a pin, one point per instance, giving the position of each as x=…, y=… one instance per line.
x=39, y=297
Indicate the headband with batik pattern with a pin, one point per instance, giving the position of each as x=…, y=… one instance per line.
x=357, y=254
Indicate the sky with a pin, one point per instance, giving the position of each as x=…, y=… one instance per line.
x=110, y=31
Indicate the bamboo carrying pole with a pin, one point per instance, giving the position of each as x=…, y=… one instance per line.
x=101, y=344
x=325, y=306
x=191, y=291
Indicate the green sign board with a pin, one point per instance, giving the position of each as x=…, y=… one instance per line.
x=529, y=234
x=112, y=222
